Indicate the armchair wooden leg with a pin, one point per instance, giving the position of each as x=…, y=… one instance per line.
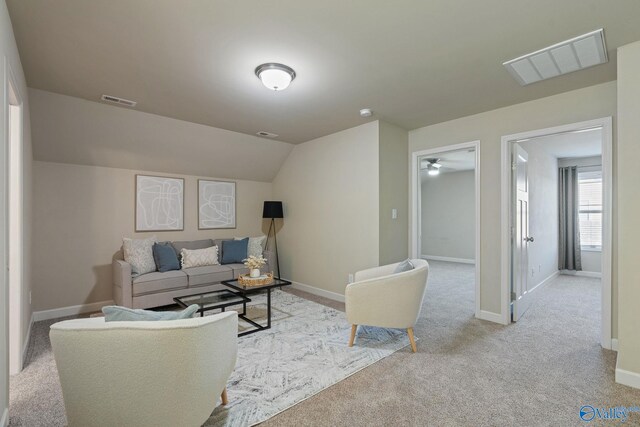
x=411, y=340
x=223, y=396
x=354, y=328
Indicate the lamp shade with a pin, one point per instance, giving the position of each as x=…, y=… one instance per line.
x=272, y=210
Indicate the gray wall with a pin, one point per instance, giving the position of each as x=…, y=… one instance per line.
x=628, y=209
x=9, y=51
x=83, y=212
x=448, y=215
x=543, y=213
x=330, y=190
x=394, y=193
x=488, y=127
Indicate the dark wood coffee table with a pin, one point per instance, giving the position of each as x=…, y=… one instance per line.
x=248, y=290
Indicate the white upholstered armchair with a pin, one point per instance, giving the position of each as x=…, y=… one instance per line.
x=380, y=298
x=160, y=373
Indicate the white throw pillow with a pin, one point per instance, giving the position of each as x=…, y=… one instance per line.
x=255, y=246
x=139, y=253
x=199, y=257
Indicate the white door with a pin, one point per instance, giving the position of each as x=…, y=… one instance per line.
x=520, y=239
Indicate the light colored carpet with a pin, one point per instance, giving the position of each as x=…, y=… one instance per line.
x=299, y=356
x=467, y=372
x=304, y=352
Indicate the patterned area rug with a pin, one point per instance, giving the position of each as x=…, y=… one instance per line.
x=304, y=352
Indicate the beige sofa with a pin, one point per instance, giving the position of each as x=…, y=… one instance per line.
x=157, y=289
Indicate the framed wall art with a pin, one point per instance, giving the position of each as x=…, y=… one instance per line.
x=216, y=204
x=159, y=203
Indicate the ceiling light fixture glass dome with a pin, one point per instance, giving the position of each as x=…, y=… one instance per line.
x=275, y=76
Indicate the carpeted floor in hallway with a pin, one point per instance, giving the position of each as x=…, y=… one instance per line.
x=467, y=372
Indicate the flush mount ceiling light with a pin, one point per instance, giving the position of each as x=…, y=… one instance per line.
x=568, y=56
x=275, y=76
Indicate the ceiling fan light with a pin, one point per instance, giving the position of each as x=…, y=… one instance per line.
x=275, y=76
x=433, y=171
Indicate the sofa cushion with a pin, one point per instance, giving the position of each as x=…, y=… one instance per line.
x=234, y=251
x=207, y=275
x=165, y=257
x=192, y=244
x=158, y=282
x=114, y=313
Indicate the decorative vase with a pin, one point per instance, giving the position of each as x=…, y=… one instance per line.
x=254, y=272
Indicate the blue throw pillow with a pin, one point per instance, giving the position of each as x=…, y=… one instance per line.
x=405, y=265
x=234, y=251
x=115, y=313
x=165, y=257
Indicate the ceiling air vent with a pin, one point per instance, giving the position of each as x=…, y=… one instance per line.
x=120, y=101
x=568, y=56
x=266, y=134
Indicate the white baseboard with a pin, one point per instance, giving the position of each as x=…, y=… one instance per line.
x=628, y=378
x=448, y=259
x=4, y=422
x=69, y=311
x=582, y=273
x=26, y=341
x=546, y=281
x=614, y=344
x=490, y=316
x=317, y=291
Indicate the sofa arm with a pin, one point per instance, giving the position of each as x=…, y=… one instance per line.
x=122, y=292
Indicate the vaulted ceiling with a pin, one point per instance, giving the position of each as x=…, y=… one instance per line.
x=414, y=63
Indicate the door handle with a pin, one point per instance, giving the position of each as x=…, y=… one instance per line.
x=528, y=239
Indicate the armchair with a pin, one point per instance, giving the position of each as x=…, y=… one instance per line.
x=162, y=373
x=380, y=298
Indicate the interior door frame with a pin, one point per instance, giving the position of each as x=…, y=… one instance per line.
x=416, y=205
x=607, y=183
x=14, y=255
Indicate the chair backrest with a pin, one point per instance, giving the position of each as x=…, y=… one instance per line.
x=386, y=299
x=162, y=373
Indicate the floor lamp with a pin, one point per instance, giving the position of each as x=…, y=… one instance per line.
x=273, y=210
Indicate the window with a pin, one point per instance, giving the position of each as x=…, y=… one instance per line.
x=590, y=196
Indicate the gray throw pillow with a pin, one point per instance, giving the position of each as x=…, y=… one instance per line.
x=115, y=313
x=405, y=265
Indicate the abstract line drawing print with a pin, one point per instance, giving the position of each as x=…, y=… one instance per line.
x=159, y=203
x=216, y=204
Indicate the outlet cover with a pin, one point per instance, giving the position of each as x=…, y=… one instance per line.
x=351, y=278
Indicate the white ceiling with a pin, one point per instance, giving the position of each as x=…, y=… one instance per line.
x=583, y=144
x=414, y=63
x=453, y=161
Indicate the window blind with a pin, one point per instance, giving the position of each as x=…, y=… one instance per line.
x=590, y=197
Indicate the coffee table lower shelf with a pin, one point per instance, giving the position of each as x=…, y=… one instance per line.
x=237, y=295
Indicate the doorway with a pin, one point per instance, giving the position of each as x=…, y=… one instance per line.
x=14, y=211
x=445, y=226
x=546, y=230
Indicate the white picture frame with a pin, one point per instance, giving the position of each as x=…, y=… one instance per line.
x=159, y=203
x=216, y=204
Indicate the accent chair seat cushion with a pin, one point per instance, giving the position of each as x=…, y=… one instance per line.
x=207, y=275
x=158, y=282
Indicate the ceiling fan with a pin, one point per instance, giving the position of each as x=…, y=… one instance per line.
x=432, y=166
